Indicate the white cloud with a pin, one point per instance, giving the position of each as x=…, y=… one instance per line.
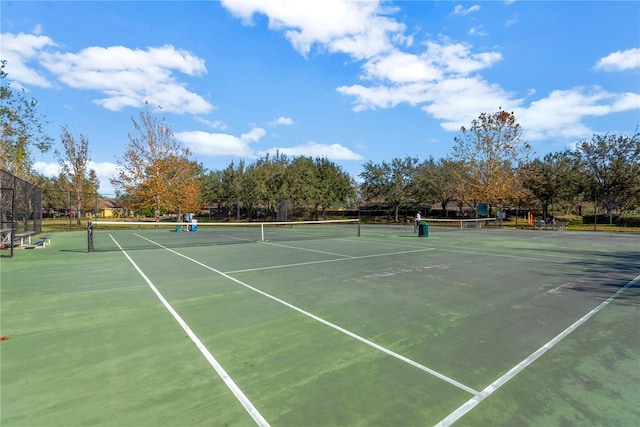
x=460, y=10
x=18, y=50
x=443, y=80
x=619, y=61
x=478, y=31
x=314, y=149
x=104, y=171
x=456, y=102
x=221, y=144
x=217, y=124
x=358, y=28
x=130, y=78
x=561, y=113
x=457, y=58
x=400, y=67
x=47, y=169
x=282, y=121
x=381, y=96
x=510, y=22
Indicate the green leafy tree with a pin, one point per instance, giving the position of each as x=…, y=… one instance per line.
x=334, y=187
x=551, y=180
x=303, y=183
x=232, y=180
x=253, y=189
x=611, y=163
x=22, y=129
x=389, y=183
x=274, y=171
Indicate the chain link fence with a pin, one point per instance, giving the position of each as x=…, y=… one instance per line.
x=20, y=211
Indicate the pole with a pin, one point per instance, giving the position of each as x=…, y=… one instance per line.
x=595, y=212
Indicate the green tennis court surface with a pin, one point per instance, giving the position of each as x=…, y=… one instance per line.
x=467, y=327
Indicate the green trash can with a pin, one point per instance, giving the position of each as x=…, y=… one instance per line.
x=423, y=229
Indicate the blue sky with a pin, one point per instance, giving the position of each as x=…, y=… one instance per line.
x=353, y=81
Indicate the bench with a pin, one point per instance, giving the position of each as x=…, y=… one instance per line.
x=20, y=237
x=471, y=224
x=559, y=226
x=44, y=240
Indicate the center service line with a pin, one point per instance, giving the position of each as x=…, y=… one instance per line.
x=242, y=398
x=327, y=323
x=488, y=391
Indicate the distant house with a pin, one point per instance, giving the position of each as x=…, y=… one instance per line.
x=108, y=208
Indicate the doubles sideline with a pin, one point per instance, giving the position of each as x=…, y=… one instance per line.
x=491, y=388
x=242, y=398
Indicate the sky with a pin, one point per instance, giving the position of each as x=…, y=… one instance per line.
x=352, y=81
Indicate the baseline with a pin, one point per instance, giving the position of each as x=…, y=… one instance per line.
x=324, y=322
x=242, y=398
x=491, y=388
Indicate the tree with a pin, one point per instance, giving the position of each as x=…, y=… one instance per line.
x=550, y=179
x=436, y=182
x=253, y=188
x=612, y=165
x=333, y=185
x=22, y=129
x=303, y=183
x=492, y=151
x=390, y=183
x=274, y=172
x=232, y=184
x=77, y=177
x=156, y=172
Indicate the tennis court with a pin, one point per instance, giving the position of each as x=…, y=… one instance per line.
x=473, y=326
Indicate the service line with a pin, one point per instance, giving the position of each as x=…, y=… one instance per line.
x=325, y=322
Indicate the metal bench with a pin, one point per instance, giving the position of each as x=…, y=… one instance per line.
x=549, y=226
x=19, y=238
x=43, y=241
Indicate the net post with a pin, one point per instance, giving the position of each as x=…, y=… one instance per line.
x=89, y=236
x=358, y=227
x=262, y=232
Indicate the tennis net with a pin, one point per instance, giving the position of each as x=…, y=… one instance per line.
x=461, y=224
x=116, y=235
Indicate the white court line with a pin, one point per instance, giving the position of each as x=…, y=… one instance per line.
x=299, y=264
x=547, y=235
x=471, y=403
x=306, y=249
x=242, y=398
x=325, y=322
x=502, y=255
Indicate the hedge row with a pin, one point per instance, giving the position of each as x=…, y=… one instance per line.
x=625, y=221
